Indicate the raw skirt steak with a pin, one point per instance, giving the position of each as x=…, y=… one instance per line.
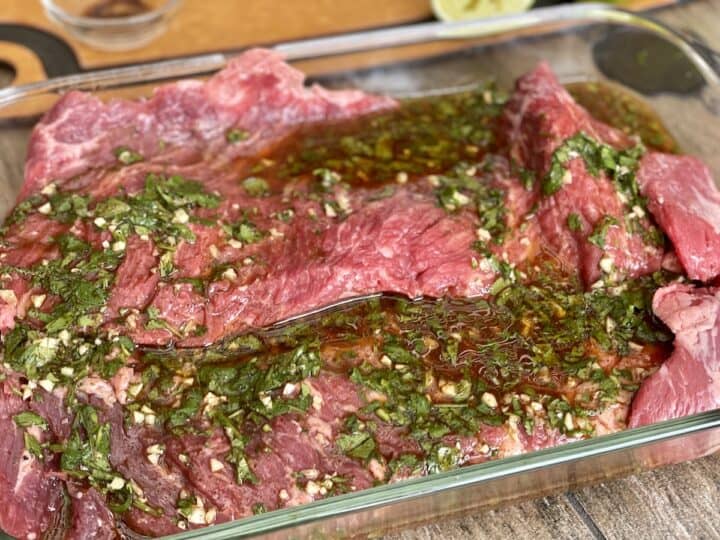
x=154, y=378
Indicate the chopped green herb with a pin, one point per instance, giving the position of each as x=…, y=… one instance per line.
x=29, y=418
x=236, y=135
x=32, y=445
x=574, y=222
x=244, y=231
x=600, y=231
x=256, y=187
x=85, y=455
x=327, y=179
x=443, y=458
x=358, y=445
x=598, y=157
x=258, y=508
x=527, y=178
x=462, y=189
x=127, y=156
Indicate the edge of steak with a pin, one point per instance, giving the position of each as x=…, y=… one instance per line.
x=689, y=381
x=684, y=200
x=540, y=116
x=28, y=494
x=257, y=92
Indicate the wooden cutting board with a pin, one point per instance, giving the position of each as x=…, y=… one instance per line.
x=202, y=26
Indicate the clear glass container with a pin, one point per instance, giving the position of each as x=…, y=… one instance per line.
x=676, y=76
x=112, y=25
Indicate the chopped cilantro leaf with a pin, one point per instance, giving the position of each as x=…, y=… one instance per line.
x=236, y=135
x=32, y=445
x=359, y=445
x=126, y=155
x=574, y=222
x=600, y=232
x=29, y=418
x=256, y=186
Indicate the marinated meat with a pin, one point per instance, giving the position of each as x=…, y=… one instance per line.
x=258, y=96
x=32, y=493
x=688, y=382
x=155, y=377
x=540, y=118
x=684, y=200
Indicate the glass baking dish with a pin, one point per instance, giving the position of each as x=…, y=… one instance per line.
x=676, y=76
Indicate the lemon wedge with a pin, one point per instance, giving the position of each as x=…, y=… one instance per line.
x=458, y=10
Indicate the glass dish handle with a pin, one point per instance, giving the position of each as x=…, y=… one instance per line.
x=711, y=56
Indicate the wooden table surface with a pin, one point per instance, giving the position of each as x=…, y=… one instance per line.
x=682, y=501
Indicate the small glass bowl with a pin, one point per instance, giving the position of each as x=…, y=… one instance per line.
x=112, y=25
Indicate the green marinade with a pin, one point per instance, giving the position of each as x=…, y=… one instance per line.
x=445, y=366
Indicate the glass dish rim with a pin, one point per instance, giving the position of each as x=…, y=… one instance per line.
x=462, y=477
x=577, y=15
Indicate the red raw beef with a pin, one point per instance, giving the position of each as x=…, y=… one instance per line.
x=689, y=381
x=684, y=200
x=401, y=242
x=30, y=494
x=539, y=117
x=256, y=92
